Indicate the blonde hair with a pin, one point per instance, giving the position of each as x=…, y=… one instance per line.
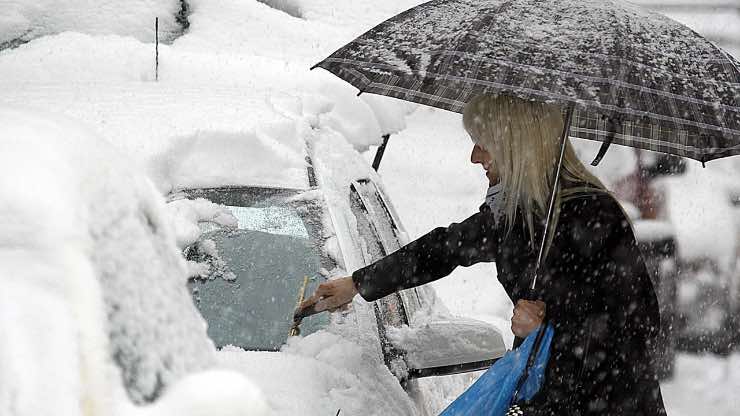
x=523, y=139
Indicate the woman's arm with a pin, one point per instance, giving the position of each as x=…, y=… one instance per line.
x=431, y=257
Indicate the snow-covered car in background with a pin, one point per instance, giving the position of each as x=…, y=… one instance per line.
x=94, y=311
x=260, y=248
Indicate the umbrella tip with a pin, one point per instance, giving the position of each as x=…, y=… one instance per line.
x=314, y=67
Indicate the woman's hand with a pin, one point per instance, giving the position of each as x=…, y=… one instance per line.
x=330, y=296
x=528, y=315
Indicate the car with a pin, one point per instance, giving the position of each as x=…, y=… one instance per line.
x=95, y=312
x=250, y=272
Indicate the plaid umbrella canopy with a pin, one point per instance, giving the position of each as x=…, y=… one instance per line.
x=630, y=76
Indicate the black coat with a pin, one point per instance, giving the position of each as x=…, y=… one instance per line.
x=599, y=299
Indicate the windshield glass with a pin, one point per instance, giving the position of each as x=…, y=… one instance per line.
x=257, y=270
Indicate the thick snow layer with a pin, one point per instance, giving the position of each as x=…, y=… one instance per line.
x=226, y=87
x=211, y=393
x=24, y=20
x=272, y=156
x=53, y=317
x=187, y=214
x=320, y=374
x=88, y=258
x=459, y=340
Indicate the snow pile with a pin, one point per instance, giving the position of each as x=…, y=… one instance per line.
x=24, y=20
x=436, y=342
x=320, y=374
x=188, y=214
x=92, y=277
x=190, y=217
x=362, y=121
x=79, y=57
x=53, y=317
x=274, y=155
x=211, y=393
x=221, y=76
x=355, y=16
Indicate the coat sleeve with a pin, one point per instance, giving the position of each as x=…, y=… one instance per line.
x=431, y=257
x=599, y=348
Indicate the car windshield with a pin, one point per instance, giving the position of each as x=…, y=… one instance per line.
x=257, y=270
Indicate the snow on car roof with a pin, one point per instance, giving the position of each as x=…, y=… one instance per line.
x=226, y=90
x=272, y=156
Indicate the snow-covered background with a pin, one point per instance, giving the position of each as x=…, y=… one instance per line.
x=233, y=100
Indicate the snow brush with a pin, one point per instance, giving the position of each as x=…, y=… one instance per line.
x=295, y=330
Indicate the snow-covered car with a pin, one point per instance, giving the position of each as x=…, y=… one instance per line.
x=109, y=327
x=261, y=248
x=94, y=311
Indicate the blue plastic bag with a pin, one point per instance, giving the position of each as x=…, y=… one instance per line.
x=493, y=392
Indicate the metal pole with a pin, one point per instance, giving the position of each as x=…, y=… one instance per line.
x=563, y=141
x=156, y=48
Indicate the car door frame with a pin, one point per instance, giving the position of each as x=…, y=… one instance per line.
x=405, y=297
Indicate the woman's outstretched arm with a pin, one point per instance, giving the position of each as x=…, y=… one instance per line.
x=431, y=257
x=428, y=258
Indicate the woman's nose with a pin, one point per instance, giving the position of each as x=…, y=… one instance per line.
x=474, y=156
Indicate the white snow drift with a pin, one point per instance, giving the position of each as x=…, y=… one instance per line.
x=87, y=257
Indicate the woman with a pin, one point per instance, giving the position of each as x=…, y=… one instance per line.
x=593, y=285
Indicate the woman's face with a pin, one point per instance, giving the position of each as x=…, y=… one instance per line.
x=480, y=156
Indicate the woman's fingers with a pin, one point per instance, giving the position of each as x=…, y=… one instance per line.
x=331, y=295
x=533, y=308
x=527, y=316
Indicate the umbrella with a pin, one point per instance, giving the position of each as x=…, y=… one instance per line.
x=624, y=74
x=633, y=77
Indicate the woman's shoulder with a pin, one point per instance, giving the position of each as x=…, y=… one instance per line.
x=592, y=203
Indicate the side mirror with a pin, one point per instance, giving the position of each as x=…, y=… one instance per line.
x=450, y=346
